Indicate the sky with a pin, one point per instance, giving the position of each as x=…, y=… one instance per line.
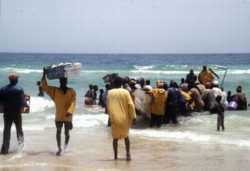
x=125, y=26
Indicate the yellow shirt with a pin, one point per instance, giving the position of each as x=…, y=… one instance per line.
x=65, y=103
x=121, y=110
x=186, y=95
x=205, y=77
x=159, y=97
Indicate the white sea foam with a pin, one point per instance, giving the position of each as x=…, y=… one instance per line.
x=95, y=71
x=193, y=134
x=79, y=121
x=165, y=72
x=182, y=72
x=89, y=121
x=188, y=136
x=239, y=71
x=146, y=67
x=186, y=67
x=168, y=135
x=86, y=120
x=22, y=70
x=174, y=71
x=40, y=104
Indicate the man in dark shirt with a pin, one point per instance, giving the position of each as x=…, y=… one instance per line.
x=173, y=101
x=13, y=100
x=240, y=98
x=191, y=79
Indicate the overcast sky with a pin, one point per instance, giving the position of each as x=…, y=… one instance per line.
x=125, y=26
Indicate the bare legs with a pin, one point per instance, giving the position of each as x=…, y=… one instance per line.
x=127, y=144
x=220, y=122
x=7, y=131
x=115, y=148
x=58, y=138
x=67, y=128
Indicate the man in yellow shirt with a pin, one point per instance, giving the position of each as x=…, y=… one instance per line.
x=121, y=111
x=64, y=99
x=159, y=96
x=206, y=76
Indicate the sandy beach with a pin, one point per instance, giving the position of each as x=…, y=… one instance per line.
x=192, y=145
x=184, y=61
x=91, y=149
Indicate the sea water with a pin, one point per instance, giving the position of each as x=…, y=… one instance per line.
x=200, y=128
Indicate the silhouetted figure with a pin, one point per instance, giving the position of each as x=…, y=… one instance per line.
x=219, y=110
x=13, y=100
x=191, y=79
x=240, y=99
x=173, y=103
x=101, y=102
x=40, y=90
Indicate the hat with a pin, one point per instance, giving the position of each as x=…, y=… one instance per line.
x=13, y=75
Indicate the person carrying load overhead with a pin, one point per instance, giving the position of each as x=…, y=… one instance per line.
x=65, y=101
x=206, y=76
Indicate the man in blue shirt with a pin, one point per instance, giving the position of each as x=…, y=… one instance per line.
x=13, y=100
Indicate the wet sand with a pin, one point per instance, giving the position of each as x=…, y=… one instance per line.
x=91, y=149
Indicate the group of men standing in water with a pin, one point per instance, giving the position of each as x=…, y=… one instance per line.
x=123, y=99
x=165, y=102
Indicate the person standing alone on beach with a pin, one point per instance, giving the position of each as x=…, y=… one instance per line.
x=219, y=110
x=121, y=110
x=64, y=99
x=13, y=100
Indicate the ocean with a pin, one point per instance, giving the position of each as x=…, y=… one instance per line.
x=199, y=129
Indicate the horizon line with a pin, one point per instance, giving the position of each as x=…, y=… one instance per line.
x=129, y=53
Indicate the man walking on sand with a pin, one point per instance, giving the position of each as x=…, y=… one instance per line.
x=121, y=110
x=64, y=99
x=13, y=100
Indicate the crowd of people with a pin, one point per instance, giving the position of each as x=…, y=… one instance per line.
x=164, y=102
x=124, y=99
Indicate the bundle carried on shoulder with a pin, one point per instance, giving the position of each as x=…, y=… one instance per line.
x=63, y=70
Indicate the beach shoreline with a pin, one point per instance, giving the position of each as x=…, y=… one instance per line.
x=194, y=144
x=91, y=149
